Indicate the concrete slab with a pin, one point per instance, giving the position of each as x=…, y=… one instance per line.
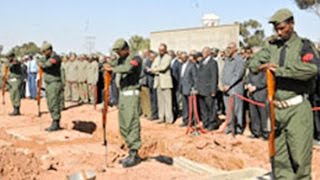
x=245, y=174
x=41, y=136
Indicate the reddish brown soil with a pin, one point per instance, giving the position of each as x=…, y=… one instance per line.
x=27, y=152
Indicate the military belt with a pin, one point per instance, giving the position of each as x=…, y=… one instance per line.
x=130, y=93
x=289, y=102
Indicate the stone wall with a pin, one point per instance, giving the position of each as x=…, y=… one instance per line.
x=196, y=38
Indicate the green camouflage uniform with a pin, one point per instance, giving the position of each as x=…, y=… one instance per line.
x=294, y=124
x=82, y=80
x=128, y=71
x=15, y=81
x=54, y=86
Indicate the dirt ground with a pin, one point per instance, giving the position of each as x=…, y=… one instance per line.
x=28, y=152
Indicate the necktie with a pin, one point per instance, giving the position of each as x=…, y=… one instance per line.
x=282, y=56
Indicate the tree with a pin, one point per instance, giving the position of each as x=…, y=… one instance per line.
x=313, y=5
x=138, y=43
x=26, y=48
x=251, y=33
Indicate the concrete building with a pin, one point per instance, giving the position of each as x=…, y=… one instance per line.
x=196, y=38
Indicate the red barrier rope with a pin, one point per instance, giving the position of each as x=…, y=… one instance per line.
x=250, y=101
x=229, y=114
x=199, y=126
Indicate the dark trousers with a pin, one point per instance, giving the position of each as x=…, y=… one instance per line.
x=23, y=89
x=185, y=108
x=114, y=98
x=258, y=120
x=220, y=103
x=175, y=102
x=154, y=103
x=208, y=111
x=316, y=103
x=32, y=85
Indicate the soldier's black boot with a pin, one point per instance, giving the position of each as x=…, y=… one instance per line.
x=55, y=126
x=16, y=111
x=132, y=160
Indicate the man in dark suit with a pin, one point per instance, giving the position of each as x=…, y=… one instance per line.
x=175, y=73
x=207, y=85
x=257, y=90
x=152, y=90
x=188, y=79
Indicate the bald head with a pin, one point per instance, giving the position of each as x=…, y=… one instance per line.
x=231, y=49
x=206, y=52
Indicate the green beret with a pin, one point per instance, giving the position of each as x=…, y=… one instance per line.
x=280, y=16
x=119, y=44
x=45, y=46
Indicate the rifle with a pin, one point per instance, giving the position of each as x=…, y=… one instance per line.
x=107, y=81
x=270, y=105
x=39, y=85
x=4, y=83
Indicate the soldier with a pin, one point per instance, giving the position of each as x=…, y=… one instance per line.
x=92, y=79
x=73, y=77
x=51, y=65
x=67, y=88
x=128, y=73
x=82, y=79
x=294, y=73
x=15, y=81
x=63, y=80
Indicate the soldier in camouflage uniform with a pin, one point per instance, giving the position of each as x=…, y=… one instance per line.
x=82, y=79
x=73, y=77
x=92, y=78
x=51, y=66
x=292, y=64
x=128, y=73
x=14, y=81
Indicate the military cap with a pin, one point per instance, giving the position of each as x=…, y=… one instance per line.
x=119, y=44
x=45, y=46
x=280, y=16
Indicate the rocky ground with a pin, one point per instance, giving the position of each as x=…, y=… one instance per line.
x=28, y=152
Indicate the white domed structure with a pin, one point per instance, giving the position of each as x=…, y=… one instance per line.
x=210, y=20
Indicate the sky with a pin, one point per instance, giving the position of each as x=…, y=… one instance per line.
x=68, y=23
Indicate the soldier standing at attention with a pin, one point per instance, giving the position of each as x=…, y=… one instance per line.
x=51, y=65
x=128, y=73
x=291, y=60
x=15, y=81
x=82, y=79
x=92, y=78
x=73, y=77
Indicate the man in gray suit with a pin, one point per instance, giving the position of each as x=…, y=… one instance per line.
x=207, y=85
x=232, y=83
x=163, y=83
x=187, y=86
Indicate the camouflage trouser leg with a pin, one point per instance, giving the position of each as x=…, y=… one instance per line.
x=53, y=95
x=67, y=91
x=129, y=121
x=92, y=93
x=15, y=96
x=83, y=89
x=294, y=142
x=75, y=92
x=62, y=99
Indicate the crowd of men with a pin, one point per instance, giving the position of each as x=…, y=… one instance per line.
x=162, y=82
